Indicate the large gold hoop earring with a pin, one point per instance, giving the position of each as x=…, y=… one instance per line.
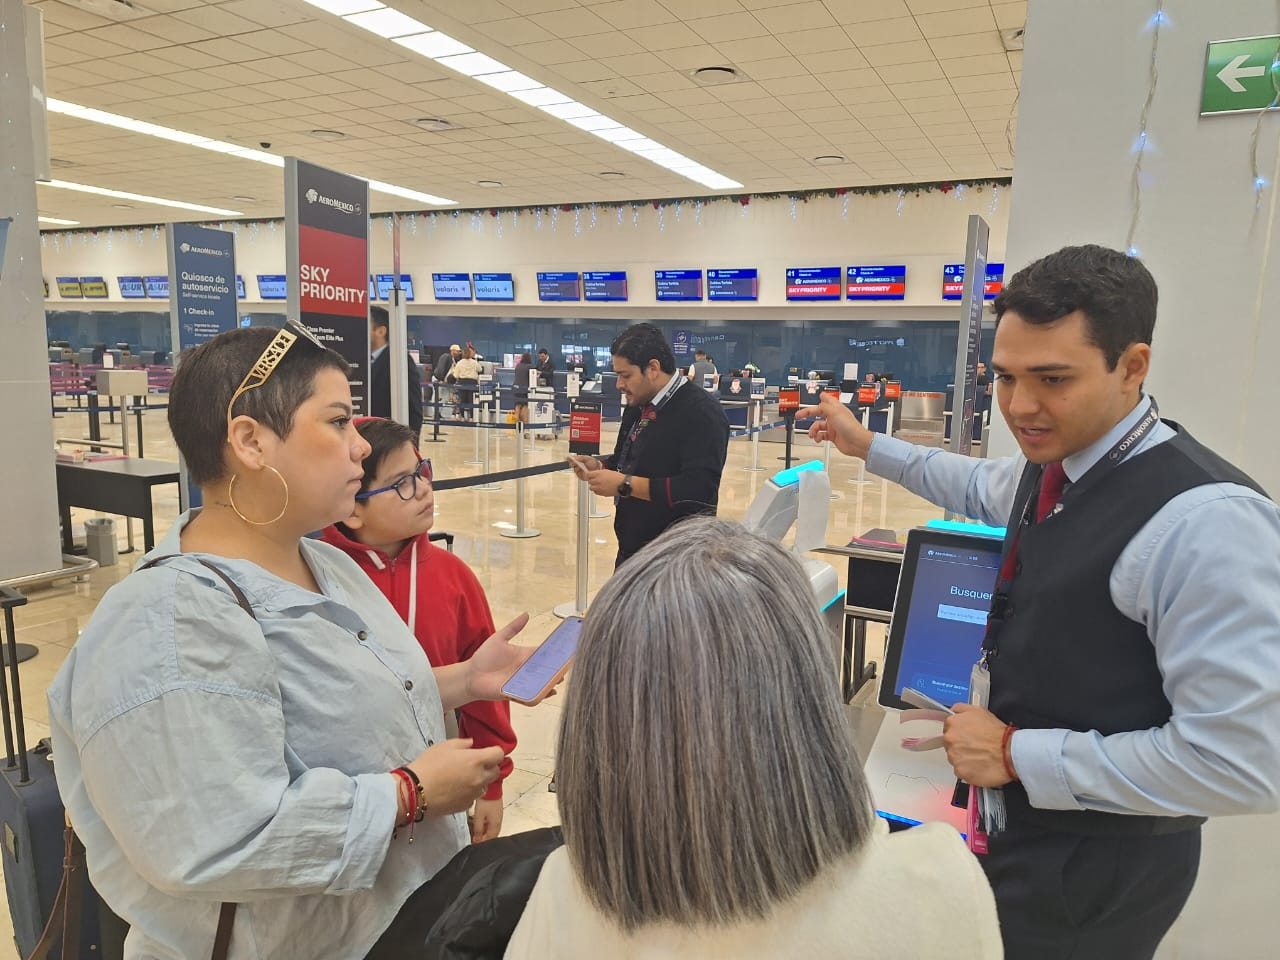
x=259, y=523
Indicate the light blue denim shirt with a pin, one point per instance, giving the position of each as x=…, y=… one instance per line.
x=1202, y=576
x=204, y=757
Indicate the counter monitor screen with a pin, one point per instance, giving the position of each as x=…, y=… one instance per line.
x=157, y=287
x=678, y=284
x=733, y=284
x=604, y=285
x=953, y=281
x=239, y=287
x=273, y=286
x=494, y=286
x=451, y=286
x=813, y=283
x=69, y=288
x=940, y=615
x=876, y=283
x=95, y=288
x=131, y=288
x=386, y=281
x=559, y=286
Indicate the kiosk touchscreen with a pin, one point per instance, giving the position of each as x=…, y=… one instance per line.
x=934, y=639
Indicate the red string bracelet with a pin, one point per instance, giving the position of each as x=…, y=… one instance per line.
x=1006, y=751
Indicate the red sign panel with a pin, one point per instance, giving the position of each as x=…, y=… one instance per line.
x=867, y=393
x=584, y=427
x=789, y=400
x=893, y=390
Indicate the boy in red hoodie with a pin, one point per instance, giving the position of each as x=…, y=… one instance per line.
x=434, y=592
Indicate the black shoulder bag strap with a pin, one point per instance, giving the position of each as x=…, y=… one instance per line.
x=64, y=918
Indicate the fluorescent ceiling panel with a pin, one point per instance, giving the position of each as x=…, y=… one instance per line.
x=387, y=23
x=473, y=64
x=140, y=198
x=434, y=45
x=509, y=82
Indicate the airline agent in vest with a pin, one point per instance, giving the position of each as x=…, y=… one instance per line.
x=1134, y=640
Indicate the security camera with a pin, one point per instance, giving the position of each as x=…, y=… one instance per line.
x=265, y=144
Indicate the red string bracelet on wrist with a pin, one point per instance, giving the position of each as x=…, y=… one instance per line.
x=1006, y=751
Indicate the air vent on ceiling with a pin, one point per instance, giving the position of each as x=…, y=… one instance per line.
x=111, y=9
x=714, y=76
x=1012, y=39
x=437, y=124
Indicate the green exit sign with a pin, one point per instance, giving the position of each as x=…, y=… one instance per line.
x=1241, y=75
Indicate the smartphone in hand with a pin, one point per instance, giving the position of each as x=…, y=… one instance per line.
x=535, y=677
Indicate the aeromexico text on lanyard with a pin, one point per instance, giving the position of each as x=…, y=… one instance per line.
x=648, y=412
x=1112, y=459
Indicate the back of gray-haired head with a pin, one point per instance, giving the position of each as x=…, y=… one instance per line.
x=705, y=767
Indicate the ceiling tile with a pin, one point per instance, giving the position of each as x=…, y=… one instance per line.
x=753, y=48
x=611, y=44
x=968, y=45
x=793, y=85
x=628, y=14
x=919, y=7
x=688, y=9
x=668, y=37
x=973, y=66
x=635, y=64
x=891, y=54
x=872, y=33
x=910, y=72
x=795, y=16
x=550, y=52
x=773, y=68
x=833, y=61
x=1010, y=16
x=972, y=19
x=817, y=41
x=985, y=81
x=515, y=31
x=848, y=80
x=578, y=22
x=584, y=71
x=691, y=58
x=732, y=26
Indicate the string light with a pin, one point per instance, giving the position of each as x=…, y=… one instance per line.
x=1158, y=20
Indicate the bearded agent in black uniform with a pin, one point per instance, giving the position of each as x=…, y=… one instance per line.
x=671, y=445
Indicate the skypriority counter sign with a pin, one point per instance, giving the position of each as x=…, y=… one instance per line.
x=327, y=263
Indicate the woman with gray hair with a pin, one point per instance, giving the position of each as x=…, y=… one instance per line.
x=712, y=802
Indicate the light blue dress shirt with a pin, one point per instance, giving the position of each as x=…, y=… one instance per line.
x=204, y=757
x=1203, y=576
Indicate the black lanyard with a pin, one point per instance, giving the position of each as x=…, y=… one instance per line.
x=637, y=427
x=1000, y=604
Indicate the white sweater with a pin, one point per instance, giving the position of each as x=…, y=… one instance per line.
x=914, y=895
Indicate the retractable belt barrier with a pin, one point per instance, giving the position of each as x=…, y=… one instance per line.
x=458, y=483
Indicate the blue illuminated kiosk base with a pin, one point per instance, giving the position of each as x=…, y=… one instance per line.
x=934, y=637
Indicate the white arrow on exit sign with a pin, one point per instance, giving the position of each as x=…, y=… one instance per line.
x=1233, y=71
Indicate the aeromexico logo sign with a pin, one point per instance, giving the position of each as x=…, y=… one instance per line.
x=207, y=251
x=315, y=196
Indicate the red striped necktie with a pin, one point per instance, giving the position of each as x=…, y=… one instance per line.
x=1051, y=487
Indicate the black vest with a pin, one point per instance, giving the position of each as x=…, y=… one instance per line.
x=1067, y=658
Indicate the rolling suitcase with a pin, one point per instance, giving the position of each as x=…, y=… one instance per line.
x=32, y=822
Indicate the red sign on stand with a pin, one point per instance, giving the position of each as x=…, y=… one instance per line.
x=584, y=427
x=789, y=400
x=893, y=390
x=867, y=393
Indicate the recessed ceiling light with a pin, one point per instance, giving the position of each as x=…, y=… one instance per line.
x=509, y=82
x=611, y=174
x=434, y=44
x=437, y=124
x=344, y=7
x=489, y=183
x=473, y=64
x=387, y=23
x=58, y=221
x=328, y=135
x=218, y=146
x=712, y=76
x=141, y=198
x=829, y=160
x=244, y=199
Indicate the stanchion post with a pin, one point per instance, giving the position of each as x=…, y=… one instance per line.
x=758, y=407
x=435, y=423
x=477, y=428
x=578, y=606
x=521, y=532
x=484, y=417
x=790, y=416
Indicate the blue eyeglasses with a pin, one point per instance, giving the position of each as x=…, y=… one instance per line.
x=406, y=487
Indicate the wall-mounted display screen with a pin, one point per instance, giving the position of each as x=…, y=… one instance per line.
x=94, y=288
x=678, y=284
x=741, y=284
x=157, y=287
x=559, y=286
x=876, y=283
x=131, y=288
x=272, y=286
x=604, y=285
x=494, y=286
x=69, y=288
x=240, y=287
x=451, y=286
x=387, y=280
x=953, y=281
x=813, y=283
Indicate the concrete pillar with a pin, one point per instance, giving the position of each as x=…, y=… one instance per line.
x=29, y=543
